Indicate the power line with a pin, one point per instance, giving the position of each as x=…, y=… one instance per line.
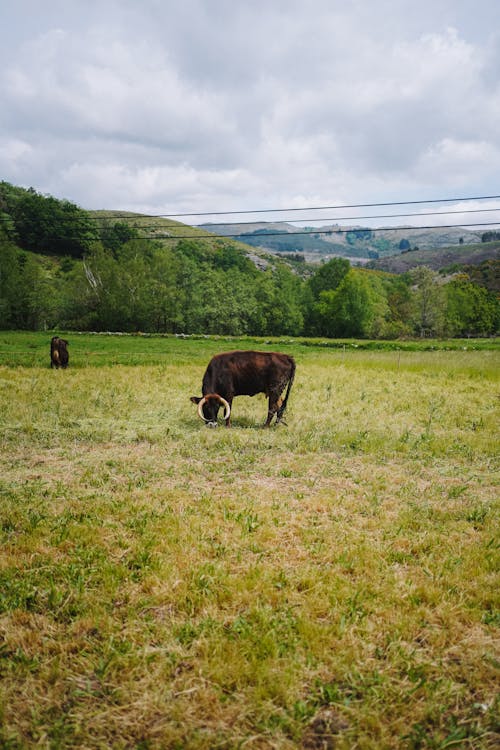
x=137, y=216
x=373, y=216
x=372, y=229
x=167, y=236
x=328, y=208
x=306, y=208
x=340, y=218
x=6, y=218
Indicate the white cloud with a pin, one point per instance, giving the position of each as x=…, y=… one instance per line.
x=13, y=149
x=460, y=160
x=200, y=106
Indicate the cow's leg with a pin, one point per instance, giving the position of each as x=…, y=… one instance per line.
x=272, y=409
x=278, y=406
x=228, y=420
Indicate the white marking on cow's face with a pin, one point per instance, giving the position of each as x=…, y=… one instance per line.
x=212, y=424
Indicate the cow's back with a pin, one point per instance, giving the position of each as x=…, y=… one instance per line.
x=245, y=373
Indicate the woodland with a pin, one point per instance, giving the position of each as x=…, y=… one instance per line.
x=62, y=267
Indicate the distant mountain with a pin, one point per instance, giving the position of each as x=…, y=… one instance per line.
x=356, y=242
x=439, y=258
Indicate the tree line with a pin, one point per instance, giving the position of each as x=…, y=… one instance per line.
x=58, y=269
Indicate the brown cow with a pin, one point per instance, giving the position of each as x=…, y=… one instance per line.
x=244, y=373
x=59, y=356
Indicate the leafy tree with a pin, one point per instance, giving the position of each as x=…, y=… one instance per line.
x=428, y=301
x=350, y=310
x=287, y=316
x=31, y=294
x=262, y=319
x=114, y=235
x=470, y=309
x=400, y=302
x=117, y=286
x=326, y=279
x=10, y=282
x=228, y=256
x=328, y=276
x=221, y=310
x=36, y=290
x=197, y=250
x=485, y=274
x=46, y=225
x=166, y=314
x=378, y=324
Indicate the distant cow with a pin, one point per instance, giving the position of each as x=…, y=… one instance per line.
x=245, y=374
x=59, y=356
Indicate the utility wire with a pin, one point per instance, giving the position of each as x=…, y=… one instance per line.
x=166, y=235
x=291, y=235
x=355, y=205
x=356, y=218
x=307, y=208
x=135, y=215
x=6, y=218
x=335, y=219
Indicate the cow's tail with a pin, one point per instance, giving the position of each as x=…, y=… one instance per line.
x=282, y=408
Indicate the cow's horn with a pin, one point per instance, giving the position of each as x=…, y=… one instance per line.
x=226, y=407
x=223, y=402
x=200, y=409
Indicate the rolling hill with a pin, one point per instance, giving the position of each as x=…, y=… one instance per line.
x=356, y=242
x=439, y=257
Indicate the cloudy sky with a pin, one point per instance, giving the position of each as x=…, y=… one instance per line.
x=214, y=105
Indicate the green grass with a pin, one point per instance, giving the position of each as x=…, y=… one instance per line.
x=329, y=583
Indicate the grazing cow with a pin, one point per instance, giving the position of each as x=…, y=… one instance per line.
x=59, y=356
x=244, y=374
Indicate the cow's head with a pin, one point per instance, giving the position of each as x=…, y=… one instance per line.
x=208, y=408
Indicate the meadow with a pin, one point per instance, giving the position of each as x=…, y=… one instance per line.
x=330, y=583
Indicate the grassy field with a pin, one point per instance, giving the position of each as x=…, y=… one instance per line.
x=332, y=583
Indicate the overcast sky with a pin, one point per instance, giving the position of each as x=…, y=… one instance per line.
x=220, y=105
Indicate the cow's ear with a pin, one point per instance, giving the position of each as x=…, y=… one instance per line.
x=195, y=399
